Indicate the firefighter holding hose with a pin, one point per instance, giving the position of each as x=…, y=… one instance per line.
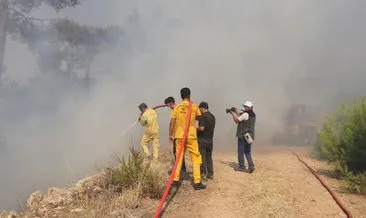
x=176, y=131
x=149, y=119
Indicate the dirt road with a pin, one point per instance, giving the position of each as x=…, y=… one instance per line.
x=280, y=187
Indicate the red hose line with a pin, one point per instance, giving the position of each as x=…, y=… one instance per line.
x=333, y=194
x=180, y=151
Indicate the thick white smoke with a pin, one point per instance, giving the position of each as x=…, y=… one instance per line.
x=227, y=52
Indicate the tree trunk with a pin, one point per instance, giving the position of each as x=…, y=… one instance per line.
x=3, y=22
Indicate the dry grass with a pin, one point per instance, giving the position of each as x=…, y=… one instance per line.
x=126, y=204
x=139, y=174
x=129, y=190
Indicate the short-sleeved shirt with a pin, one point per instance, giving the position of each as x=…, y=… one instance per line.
x=180, y=115
x=243, y=117
x=206, y=120
x=149, y=119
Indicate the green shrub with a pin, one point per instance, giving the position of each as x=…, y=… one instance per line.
x=356, y=183
x=330, y=142
x=355, y=129
x=342, y=137
x=342, y=141
x=139, y=174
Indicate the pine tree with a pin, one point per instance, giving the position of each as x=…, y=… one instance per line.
x=61, y=46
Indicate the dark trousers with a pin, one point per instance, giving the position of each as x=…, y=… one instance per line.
x=244, y=149
x=175, y=157
x=206, y=153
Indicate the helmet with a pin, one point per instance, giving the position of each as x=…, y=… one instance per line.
x=248, y=104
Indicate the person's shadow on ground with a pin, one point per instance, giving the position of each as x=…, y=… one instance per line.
x=230, y=164
x=173, y=191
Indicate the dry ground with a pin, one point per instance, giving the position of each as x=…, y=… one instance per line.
x=355, y=203
x=280, y=187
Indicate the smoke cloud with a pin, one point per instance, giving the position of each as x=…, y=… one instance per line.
x=273, y=53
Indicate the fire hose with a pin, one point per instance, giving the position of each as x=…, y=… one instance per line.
x=333, y=194
x=135, y=122
x=180, y=152
x=159, y=106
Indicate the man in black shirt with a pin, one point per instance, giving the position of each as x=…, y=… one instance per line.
x=205, y=133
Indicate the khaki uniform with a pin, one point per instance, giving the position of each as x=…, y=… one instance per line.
x=149, y=119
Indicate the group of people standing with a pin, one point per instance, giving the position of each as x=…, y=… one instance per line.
x=199, y=138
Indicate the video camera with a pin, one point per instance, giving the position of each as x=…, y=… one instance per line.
x=233, y=109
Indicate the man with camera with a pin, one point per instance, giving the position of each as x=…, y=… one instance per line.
x=245, y=133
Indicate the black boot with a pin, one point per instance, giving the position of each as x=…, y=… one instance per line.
x=199, y=186
x=250, y=170
x=240, y=169
x=176, y=184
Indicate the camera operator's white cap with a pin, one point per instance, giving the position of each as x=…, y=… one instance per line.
x=248, y=104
